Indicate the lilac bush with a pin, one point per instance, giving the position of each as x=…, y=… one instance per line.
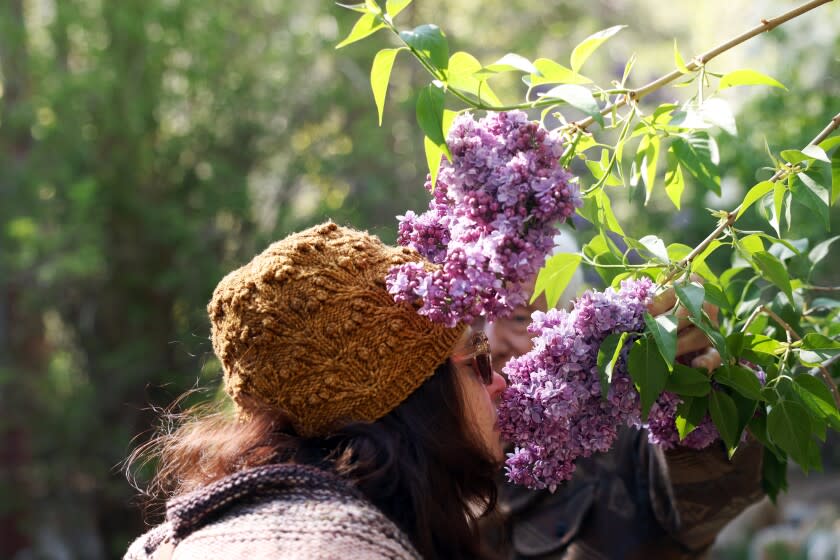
x=491, y=221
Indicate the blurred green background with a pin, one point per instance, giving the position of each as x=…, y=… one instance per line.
x=149, y=146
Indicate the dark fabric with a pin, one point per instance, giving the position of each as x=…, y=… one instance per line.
x=634, y=502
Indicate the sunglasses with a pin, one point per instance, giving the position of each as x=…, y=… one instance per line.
x=480, y=357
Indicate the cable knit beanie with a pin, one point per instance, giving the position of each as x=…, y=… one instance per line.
x=309, y=328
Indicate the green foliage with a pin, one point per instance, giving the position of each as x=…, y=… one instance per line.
x=763, y=294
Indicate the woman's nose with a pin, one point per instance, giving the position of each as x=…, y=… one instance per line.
x=497, y=386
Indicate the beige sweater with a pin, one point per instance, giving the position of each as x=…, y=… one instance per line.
x=278, y=512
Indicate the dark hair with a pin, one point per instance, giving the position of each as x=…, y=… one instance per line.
x=422, y=464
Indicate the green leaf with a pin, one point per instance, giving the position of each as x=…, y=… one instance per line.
x=814, y=196
x=555, y=276
x=773, y=474
x=650, y=158
x=725, y=417
x=762, y=343
x=461, y=76
x=835, y=176
x=510, y=62
x=674, y=181
x=816, y=396
x=691, y=296
x=648, y=371
x=825, y=303
x=741, y=379
x=817, y=348
x=779, y=192
x=664, y=330
x=829, y=143
x=394, y=7
x=361, y=8
x=748, y=77
x=820, y=251
x=716, y=111
x=434, y=152
x=430, y=114
x=757, y=427
x=589, y=45
x=598, y=210
x=608, y=354
x=578, y=97
x=815, y=152
x=690, y=413
x=774, y=271
x=373, y=7
x=717, y=297
x=687, y=381
x=380, y=75
x=794, y=156
x=551, y=72
x=430, y=42
x=656, y=247
x=678, y=60
x=757, y=192
x=365, y=25
x=697, y=156
x=789, y=427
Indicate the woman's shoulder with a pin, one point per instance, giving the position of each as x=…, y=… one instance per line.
x=278, y=511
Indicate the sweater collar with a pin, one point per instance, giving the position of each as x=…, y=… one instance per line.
x=189, y=512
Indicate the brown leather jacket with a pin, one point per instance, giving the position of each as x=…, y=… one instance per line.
x=634, y=502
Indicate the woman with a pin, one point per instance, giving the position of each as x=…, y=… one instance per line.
x=360, y=428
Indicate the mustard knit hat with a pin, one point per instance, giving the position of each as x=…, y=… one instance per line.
x=309, y=328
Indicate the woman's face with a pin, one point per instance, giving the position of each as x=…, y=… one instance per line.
x=480, y=399
x=509, y=335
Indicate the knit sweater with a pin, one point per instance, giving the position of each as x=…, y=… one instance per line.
x=277, y=512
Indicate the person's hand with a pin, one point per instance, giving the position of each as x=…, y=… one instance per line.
x=692, y=343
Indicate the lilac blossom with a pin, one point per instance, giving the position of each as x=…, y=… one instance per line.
x=491, y=221
x=552, y=410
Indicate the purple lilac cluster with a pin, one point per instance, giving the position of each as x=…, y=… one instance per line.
x=491, y=221
x=553, y=410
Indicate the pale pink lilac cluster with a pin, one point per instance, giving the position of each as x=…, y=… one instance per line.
x=491, y=221
x=553, y=410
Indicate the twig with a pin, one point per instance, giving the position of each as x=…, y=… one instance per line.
x=822, y=288
x=698, y=61
x=750, y=319
x=826, y=375
x=826, y=364
x=832, y=126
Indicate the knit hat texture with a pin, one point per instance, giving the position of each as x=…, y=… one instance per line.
x=309, y=328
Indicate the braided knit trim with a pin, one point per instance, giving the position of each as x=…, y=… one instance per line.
x=189, y=512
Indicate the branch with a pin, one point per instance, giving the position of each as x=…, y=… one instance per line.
x=832, y=126
x=822, y=369
x=698, y=61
